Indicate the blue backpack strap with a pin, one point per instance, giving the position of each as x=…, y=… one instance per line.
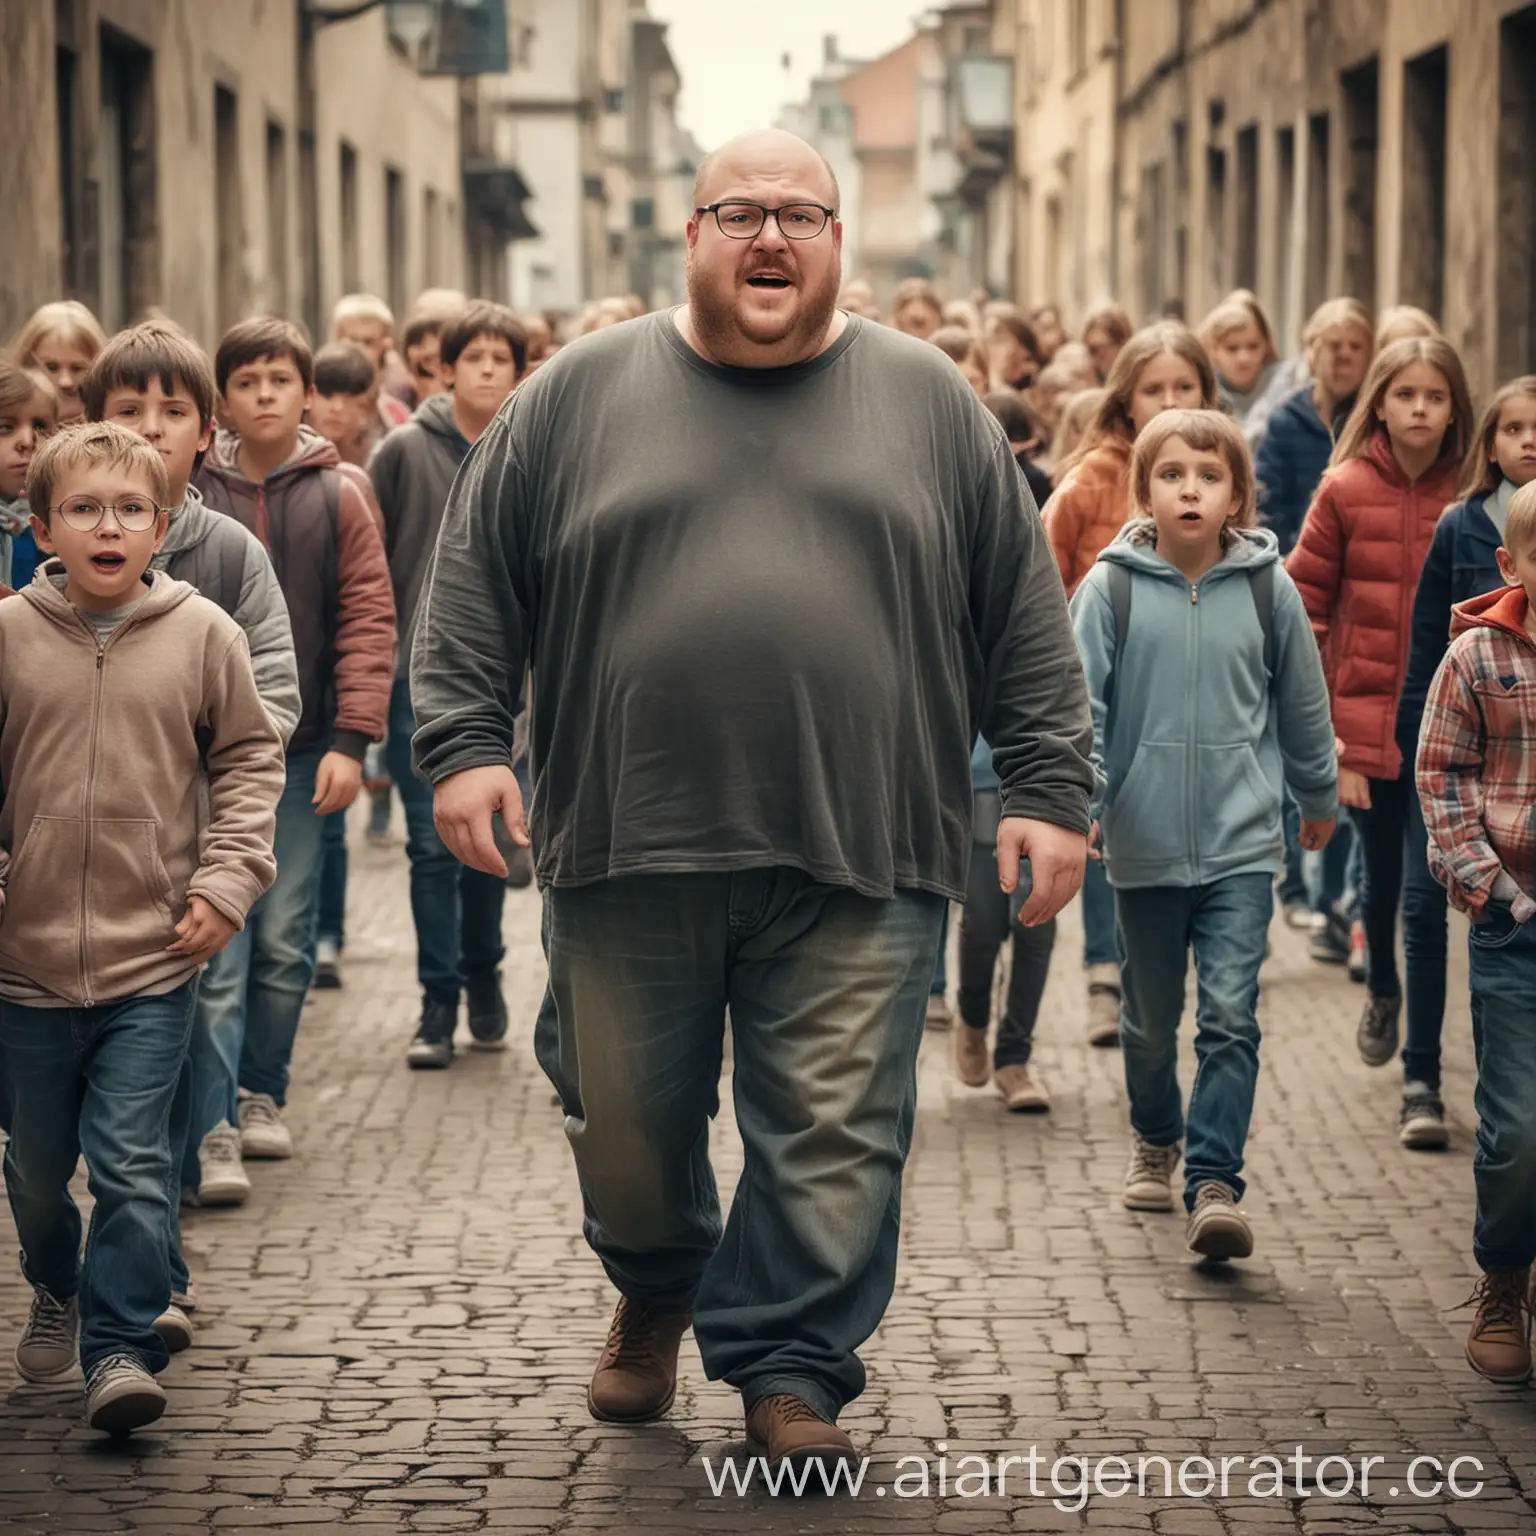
x=1118, y=580
x=1263, y=584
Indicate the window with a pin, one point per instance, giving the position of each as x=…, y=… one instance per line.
x=277, y=218
x=1245, y=270
x=394, y=239
x=643, y=213
x=1077, y=36
x=1152, y=237
x=1515, y=290
x=1425, y=82
x=1285, y=233
x=613, y=99
x=126, y=217
x=1216, y=218
x=309, y=232
x=66, y=83
x=228, y=206
x=1317, y=210
x=351, y=266
x=431, y=238
x=1360, y=92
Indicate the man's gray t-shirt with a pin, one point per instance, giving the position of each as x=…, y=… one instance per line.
x=767, y=612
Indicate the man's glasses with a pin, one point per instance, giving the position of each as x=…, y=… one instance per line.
x=134, y=514
x=744, y=221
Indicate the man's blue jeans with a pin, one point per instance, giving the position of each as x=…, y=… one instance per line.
x=1502, y=956
x=1226, y=924
x=253, y=991
x=1098, y=916
x=98, y=1081
x=457, y=909
x=827, y=991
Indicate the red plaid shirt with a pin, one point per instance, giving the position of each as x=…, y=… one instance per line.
x=1476, y=767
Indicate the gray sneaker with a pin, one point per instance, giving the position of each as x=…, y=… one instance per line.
x=121, y=1396
x=175, y=1329
x=1217, y=1229
x=1149, y=1176
x=262, y=1131
x=1421, y=1125
x=50, y=1343
x=1376, y=1037
x=223, y=1179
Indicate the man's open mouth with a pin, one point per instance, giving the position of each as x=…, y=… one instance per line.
x=767, y=280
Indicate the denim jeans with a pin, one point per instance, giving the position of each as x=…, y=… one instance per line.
x=1226, y=923
x=1502, y=956
x=457, y=909
x=331, y=917
x=99, y=1081
x=1293, y=884
x=827, y=991
x=253, y=991
x=1424, y=949
x=1327, y=872
x=1098, y=916
x=984, y=928
x=940, y=984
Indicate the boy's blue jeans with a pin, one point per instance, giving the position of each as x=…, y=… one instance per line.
x=457, y=909
x=1502, y=955
x=252, y=994
x=1098, y=916
x=98, y=1081
x=827, y=991
x=331, y=888
x=1226, y=924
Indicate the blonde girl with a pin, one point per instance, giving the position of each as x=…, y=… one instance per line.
x=1105, y=331
x=1367, y=535
x=61, y=341
x=1237, y=335
x=29, y=411
x=916, y=309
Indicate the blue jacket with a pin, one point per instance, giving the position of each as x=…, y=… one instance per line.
x=1203, y=743
x=1461, y=564
x=1293, y=453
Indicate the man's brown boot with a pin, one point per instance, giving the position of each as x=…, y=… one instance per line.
x=1499, y=1343
x=789, y=1429
x=636, y=1377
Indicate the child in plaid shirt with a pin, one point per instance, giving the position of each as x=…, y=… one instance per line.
x=1477, y=785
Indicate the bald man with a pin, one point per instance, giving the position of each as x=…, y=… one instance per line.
x=773, y=567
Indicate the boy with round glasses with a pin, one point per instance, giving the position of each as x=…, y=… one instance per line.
x=120, y=690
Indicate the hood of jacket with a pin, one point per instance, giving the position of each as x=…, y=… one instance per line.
x=189, y=525
x=1244, y=549
x=310, y=452
x=435, y=415
x=1503, y=609
x=46, y=594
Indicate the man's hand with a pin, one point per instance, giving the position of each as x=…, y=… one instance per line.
x=463, y=805
x=337, y=782
x=202, y=933
x=1315, y=834
x=1057, y=858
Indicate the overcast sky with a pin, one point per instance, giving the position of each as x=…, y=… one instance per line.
x=731, y=55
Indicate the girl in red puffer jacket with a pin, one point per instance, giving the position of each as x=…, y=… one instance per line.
x=1357, y=565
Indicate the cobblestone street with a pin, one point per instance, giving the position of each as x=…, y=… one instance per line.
x=396, y=1332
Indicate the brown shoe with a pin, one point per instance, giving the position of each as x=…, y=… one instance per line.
x=1499, y=1344
x=972, y=1059
x=1021, y=1091
x=789, y=1429
x=636, y=1378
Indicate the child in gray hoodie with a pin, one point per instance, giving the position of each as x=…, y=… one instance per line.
x=1208, y=697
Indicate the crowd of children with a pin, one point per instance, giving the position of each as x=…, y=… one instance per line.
x=1296, y=585
x=1376, y=655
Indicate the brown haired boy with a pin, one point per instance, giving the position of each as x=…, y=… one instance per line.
x=121, y=691
x=282, y=481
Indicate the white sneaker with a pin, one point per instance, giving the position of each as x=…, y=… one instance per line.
x=1104, y=1004
x=224, y=1181
x=121, y=1396
x=327, y=965
x=1148, y=1182
x=1217, y=1228
x=262, y=1132
x=175, y=1329
x=50, y=1343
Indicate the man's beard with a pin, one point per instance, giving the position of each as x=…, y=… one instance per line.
x=719, y=327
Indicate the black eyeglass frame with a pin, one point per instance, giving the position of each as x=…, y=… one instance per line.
x=828, y=215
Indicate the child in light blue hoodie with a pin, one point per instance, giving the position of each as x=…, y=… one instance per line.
x=1208, y=697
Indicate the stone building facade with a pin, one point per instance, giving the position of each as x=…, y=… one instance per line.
x=210, y=161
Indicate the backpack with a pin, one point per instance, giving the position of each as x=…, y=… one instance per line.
x=1260, y=582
